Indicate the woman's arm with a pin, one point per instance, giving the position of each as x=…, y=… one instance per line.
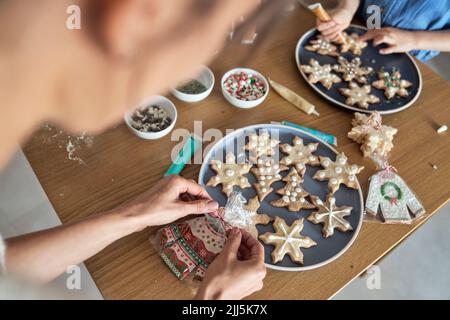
x=44, y=255
x=404, y=41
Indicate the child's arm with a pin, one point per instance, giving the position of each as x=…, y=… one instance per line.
x=341, y=19
x=404, y=41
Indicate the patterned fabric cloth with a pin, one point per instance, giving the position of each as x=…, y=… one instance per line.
x=188, y=247
x=431, y=15
x=2, y=256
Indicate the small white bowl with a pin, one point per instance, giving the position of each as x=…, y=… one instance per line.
x=160, y=101
x=206, y=77
x=242, y=103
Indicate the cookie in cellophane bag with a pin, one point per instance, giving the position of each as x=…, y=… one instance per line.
x=389, y=200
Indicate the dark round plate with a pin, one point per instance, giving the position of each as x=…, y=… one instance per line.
x=326, y=250
x=370, y=58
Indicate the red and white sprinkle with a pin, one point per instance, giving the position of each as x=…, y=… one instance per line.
x=244, y=86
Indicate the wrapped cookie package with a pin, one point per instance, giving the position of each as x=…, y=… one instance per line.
x=188, y=247
x=389, y=200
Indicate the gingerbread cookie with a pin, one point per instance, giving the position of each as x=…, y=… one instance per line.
x=287, y=240
x=266, y=172
x=374, y=137
x=261, y=145
x=322, y=46
x=229, y=174
x=359, y=96
x=353, y=44
x=392, y=84
x=352, y=70
x=338, y=172
x=300, y=155
x=330, y=215
x=322, y=74
x=252, y=207
x=293, y=194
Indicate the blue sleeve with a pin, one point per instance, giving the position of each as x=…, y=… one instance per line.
x=424, y=15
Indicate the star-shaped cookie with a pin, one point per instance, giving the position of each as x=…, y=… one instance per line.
x=318, y=73
x=287, y=240
x=300, y=155
x=322, y=46
x=266, y=172
x=293, y=194
x=392, y=84
x=261, y=145
x=338, y=172
x=229, y=174
x=352, y=70
x=353, y=44
x=330, y=215
x=252, y=207
x=359, y=96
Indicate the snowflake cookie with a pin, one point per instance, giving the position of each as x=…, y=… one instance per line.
x=261, y=145
x=322, y=46
x=293, y=194
x=330, y=215
x=287, y=240
x=353, y=44
x=392, y=84
x=359, y=96
x=318, y=73
x=352, y=70
x=266, y=172
x=338, y=172
x=299, y=155
x=229, y=174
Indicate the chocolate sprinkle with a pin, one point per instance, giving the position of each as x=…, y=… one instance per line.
x=151, y=119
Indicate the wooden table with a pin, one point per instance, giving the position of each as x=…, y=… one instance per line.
x=119, y=166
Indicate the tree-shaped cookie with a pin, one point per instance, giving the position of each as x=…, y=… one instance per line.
x=322, y=46
x=392, y=84
x=359, y=96
x=299, y=155
x=318, y=73
x=330, y=216
x=352, y=70
x=353, y=44
x=293, y=194
x=261, y=145
x=229, y=174
x=337, y=172
x=287, y=240
x=266, y=172
x=252, y=207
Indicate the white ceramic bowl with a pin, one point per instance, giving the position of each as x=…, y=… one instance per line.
x=206, y=77
x=242, y=103
x=162, y=102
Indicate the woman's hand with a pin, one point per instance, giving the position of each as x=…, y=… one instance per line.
x=340, y=20
x=397, y=40
x=238, y=270
x=168, y=200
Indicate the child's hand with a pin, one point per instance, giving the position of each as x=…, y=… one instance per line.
x=341, y=19
x=397, y=40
